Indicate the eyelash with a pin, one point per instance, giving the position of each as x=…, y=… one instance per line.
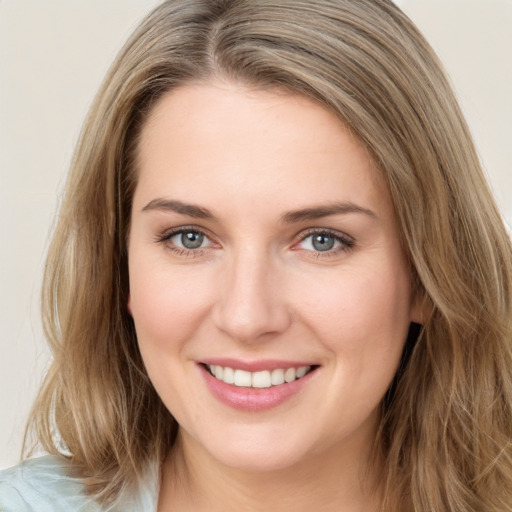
x=346, y=243
x=183, y=251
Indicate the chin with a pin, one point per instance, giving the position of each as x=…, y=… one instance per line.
x=260, y=460
x=255, y=453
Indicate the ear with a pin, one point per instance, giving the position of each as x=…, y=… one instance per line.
x=129, y=305
x=421, y=307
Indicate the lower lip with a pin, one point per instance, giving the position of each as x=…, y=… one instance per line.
x=253, y=399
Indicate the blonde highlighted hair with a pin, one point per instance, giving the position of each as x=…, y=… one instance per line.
x=446, y=425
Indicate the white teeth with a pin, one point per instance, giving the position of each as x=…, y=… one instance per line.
x=302, y=371
x=229, y=376
x=243, y=378
x=218, y=372
x=290, y=374
x=277, y=377
x=261, y=379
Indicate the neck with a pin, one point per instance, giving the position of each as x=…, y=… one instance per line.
x=343, y=480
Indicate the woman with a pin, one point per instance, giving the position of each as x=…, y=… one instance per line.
x=279, y=280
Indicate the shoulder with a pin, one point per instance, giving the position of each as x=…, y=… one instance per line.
x=43, y=485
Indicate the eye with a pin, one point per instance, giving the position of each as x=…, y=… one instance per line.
x=322, y=241
x=185, y=241
x=188, y=239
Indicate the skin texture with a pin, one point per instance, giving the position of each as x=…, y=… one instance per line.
x=258, y=289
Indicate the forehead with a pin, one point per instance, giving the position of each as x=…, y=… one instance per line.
x=219, y=141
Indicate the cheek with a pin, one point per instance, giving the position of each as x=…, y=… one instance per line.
x=361, y=315
x=166, y=306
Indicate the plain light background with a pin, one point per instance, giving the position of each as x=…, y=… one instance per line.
x=53, y=55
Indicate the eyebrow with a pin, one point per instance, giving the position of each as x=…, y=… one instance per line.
x=172, y=205
x=291, y=217
x=318, y=212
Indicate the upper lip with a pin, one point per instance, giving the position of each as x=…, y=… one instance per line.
x=255, y=366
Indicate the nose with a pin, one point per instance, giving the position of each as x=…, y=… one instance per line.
x=252, y=303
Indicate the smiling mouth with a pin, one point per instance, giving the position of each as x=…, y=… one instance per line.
x=259, y=380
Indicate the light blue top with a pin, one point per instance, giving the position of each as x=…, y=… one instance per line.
x=44, y=485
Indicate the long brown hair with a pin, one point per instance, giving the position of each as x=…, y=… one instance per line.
x=446, y=431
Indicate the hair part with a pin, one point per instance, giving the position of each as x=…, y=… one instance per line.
x=445, y=431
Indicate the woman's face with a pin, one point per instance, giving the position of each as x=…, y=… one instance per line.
x=264, y=249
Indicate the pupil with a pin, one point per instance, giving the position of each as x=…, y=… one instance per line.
x=323, y=242
x=192, y=240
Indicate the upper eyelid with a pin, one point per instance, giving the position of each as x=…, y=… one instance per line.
x=344, y=237
x=164, y=238
x=333, y=232
x=346, y=242
x=169, y=233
